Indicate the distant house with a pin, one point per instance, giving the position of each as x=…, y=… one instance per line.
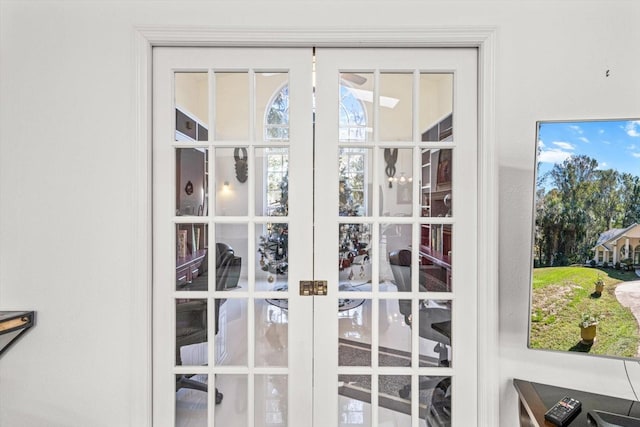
x=618, y=244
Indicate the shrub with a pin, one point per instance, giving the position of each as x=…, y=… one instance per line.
x=592, y=263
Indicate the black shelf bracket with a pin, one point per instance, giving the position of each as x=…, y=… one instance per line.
x=14, y=324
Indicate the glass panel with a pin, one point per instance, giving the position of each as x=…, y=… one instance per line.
x=272, y=332
x=394, y=334
x=355, y=181
x=191, y=400
x=396, y=178
x=391, y=408
x=354, y=397
x=273, y=256
x=435, y=333
x=191, y=181
x=354, y=338
x=191, y=332
x=436, y=408
x=232, y=106
x=234, y=407
x=396, y=106
x=231, y=256
x=435, y=257
x=192, y=261
x=272, y=181
x=436, y=182
x=395, y=267
x=271, y=402
x=435, y=106
x=231, y=174
x=356, y=107
x=231, y=332
x=192, y=106
x=354, y=249
x=272, y=106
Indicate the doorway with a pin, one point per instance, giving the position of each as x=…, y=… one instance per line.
x=278, y=168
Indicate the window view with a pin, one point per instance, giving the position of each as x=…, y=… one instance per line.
x=586, y=242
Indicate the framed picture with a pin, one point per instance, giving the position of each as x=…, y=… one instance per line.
x=404, y=193
x=443, y=173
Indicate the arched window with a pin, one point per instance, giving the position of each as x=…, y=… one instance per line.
x=352, y=128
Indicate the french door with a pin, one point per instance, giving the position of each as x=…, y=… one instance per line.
x=315, y=244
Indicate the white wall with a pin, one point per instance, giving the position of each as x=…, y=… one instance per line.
x=67, y=169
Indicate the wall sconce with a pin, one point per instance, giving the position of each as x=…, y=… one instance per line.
x=226, y=187
x=390, y=158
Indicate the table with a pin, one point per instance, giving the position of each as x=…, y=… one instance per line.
x=536, y=399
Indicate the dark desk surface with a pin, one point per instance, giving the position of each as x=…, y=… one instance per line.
x=538, y=398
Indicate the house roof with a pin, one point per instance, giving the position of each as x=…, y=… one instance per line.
x=609, y=236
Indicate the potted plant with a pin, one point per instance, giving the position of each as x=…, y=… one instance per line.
x=588, y=324
x=599, y=287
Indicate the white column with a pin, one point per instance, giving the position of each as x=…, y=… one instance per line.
x=615, y=254
x=626, y=244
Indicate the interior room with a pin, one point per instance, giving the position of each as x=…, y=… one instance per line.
x=77, y=142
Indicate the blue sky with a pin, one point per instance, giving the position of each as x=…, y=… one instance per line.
x=615, y=144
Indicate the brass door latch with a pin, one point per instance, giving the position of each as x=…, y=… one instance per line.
x=313, y=287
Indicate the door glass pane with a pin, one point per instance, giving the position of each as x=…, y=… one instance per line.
x=356, y=107
x=192, y=260
x=231, y=257
x=272, y=243
x=394, y=333
x=396, y=178
x=191, y=400
x=354, y=248
x=272, y=111
x=192, y=106
x=271, y=401
x=393, y=408
x=192, y=181
x=395, y=267
x=231, y=344
x=231, y=174
x=396, y=106
x=436, y=408
x=272, y=181
x=354, y=339
x=437, y=172
x=232, y=106
x=355, y=182
x=191, y=332
x=234, y=407
x=272, y=332
x=435, y=332
x=354, y=397
x=435, y=107
x=435, y=257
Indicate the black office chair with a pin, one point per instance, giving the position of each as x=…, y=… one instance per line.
x=434, y=320
x=191, y=316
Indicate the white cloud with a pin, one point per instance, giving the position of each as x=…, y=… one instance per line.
x=583, y=139
x=576, y=128
x=541, y=144
x=636, y=155
x=603, y=166
x=564, y=145
x=633, y=128
x=553, y=155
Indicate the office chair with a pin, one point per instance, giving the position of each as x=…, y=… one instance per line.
x=191, y=316
x=434, y=320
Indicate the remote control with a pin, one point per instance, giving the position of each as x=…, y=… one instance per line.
x=563, y=412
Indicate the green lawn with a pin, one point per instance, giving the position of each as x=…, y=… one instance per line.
x=562, y=294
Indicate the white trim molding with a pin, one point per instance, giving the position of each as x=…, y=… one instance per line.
x=481, y=37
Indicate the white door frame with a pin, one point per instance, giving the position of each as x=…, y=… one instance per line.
x=481, y=37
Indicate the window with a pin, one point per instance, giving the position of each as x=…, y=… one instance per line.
x=353, y=161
